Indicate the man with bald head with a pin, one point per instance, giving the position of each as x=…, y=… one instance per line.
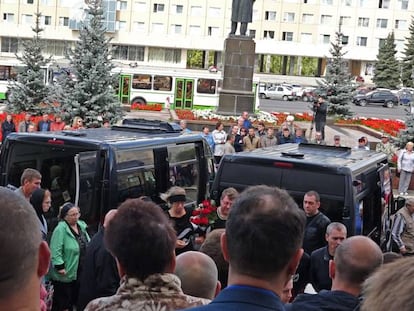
x=99, y=277
x=355, y=260
x=25, y=256
x=198, y=274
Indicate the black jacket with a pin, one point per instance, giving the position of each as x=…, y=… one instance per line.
x=99, y=277
x=324, y=301
x=7, y=128
x=320, y=112
x=319, y=269
x=315, y=232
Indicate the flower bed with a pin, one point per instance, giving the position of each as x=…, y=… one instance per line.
x=391, y=127
x=262, y=116
x=209, y=115
x=149, y=107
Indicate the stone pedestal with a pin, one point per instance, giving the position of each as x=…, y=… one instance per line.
x=236, y=94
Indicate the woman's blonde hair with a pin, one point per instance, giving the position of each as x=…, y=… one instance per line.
x=75, y=121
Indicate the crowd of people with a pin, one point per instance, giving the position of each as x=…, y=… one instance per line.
x=147, y=258
x=260, y=251
x=44, y=125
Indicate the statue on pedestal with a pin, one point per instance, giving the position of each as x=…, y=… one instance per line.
x=241, y=12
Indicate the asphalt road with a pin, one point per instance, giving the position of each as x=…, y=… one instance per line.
x=397, y=112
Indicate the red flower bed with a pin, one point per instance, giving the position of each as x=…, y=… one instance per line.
x=150, y=107
x=185, y=114
x=391, y=127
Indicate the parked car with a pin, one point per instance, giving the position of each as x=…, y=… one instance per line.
x=278, y=92
x=297, y=88
x=383, y=97
x=406, y=95
x=308, y=94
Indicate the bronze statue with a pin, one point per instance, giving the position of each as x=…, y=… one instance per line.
x=241, y=12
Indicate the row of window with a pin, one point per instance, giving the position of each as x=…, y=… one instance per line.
x=27, y=19
x=160, y=7
x=60, y=3
x=121, y=52
x=198, y=10
x=326, y=19
x=382, y=23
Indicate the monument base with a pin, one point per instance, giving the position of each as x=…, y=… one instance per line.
x=237, y=94
x=235, y=102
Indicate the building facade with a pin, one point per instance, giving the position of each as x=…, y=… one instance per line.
x=166, y=32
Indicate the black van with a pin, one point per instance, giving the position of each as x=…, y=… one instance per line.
x=100, y=168
x=347, y=180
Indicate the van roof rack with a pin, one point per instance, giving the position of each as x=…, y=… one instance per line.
x=74, y=133
x=148, y=126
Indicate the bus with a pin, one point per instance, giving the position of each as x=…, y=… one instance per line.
x=9, y=70
x=186, y=88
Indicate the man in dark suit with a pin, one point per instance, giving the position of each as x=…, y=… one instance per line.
x=44, y=124
x=319, y=260
x=262, y=244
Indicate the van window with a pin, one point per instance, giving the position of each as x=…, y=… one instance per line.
x=184, y=169
x=136, y=174
x=290, y=179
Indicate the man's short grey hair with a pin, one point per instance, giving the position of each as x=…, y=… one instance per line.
x=335, y=226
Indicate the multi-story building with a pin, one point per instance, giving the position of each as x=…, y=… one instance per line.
x=166, y=32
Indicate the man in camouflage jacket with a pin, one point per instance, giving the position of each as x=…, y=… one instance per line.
x=142, y=240
x=386, y=147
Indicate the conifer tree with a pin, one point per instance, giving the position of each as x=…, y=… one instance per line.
x=337, y=83
x=89, y=91
x=29, y=91
x=387, y=67
x=407, y=73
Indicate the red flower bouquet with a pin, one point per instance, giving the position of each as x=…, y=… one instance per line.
x=205, y=214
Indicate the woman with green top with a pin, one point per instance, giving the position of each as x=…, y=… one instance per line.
x=68, y=247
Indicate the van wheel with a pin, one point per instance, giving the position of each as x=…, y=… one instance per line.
x=262, y=95
x=139, y=101
x=389, y=104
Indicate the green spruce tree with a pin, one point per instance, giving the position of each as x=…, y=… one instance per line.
x=337, y=83
x=387, y=67
x=407, y=73
x=29, y=91
x=89, y=91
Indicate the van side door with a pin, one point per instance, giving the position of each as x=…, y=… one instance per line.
x=88, y=185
